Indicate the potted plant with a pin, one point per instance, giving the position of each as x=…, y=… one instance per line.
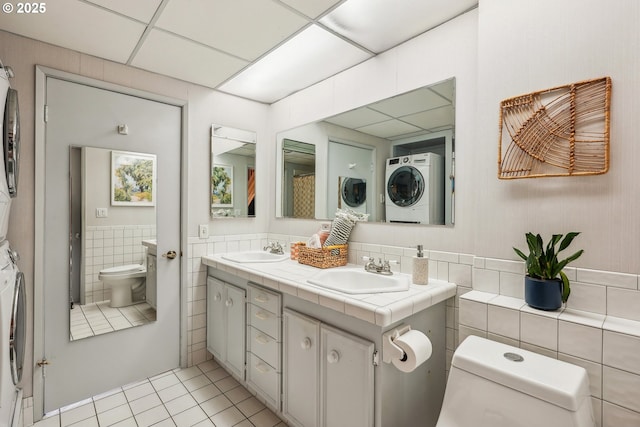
x=546, y=286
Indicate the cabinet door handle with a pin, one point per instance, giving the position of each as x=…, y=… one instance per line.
x=261, y=298
x=262, y=315
x=305, y=343
x=333, y=356
x=262, y=368
x=217, y=297
x=229, y=303
x=262, y=339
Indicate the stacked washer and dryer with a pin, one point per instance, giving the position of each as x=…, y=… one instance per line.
x=12, y=297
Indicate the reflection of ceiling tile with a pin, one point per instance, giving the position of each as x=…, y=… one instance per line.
x=388, y=128
x=437, y=118
x=410, y=103
x=358, y=118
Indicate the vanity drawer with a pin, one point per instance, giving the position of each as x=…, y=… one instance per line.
x=264, y=378
x=265, y=299
x=264, y=320
x=264, y=346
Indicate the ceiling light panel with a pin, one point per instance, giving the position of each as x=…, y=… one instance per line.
x=382, y=24
x=311, y=56
x=311, y=8
x=140, y=10
x=188, y=61
x=244, y=28
x=78, y=26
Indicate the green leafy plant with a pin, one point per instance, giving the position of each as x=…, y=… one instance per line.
x=543, y=263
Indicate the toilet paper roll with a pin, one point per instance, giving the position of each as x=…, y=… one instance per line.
x=417, y=348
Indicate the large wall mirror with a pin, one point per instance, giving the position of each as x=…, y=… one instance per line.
x=112, y=243
x=393, y=159
x=233, y=172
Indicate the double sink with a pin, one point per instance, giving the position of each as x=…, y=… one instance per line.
x=349, y=280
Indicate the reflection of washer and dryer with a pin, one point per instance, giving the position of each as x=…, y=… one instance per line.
x=415, y=189
x=12, y=298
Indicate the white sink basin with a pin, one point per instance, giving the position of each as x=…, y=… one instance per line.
x=254, y=256
x=359, y=281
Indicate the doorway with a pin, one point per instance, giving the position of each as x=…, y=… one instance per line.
x=78, y=111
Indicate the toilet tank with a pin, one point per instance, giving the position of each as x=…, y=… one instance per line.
x=496, y=385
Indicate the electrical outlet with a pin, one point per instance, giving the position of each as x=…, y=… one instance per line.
x=203, y=231
x=101, y=213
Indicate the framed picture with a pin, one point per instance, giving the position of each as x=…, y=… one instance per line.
x=133, y=179
x=221, y=186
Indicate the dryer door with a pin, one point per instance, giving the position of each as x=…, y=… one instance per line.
x=405, y=186
x=11, y=140
x=17, y=334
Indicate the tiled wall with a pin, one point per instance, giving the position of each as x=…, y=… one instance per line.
x=598, y=329
x=109, y=246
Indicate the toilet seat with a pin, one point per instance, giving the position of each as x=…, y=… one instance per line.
x=130, y=270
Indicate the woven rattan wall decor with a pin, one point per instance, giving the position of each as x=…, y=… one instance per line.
x=563, y=131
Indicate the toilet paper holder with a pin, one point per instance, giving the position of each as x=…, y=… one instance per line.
x=390, y=350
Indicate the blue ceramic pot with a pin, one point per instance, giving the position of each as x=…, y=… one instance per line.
x=543, y=294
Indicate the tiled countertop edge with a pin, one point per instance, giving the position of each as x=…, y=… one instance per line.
x=383, y=311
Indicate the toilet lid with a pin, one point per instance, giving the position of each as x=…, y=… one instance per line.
x=121, y=269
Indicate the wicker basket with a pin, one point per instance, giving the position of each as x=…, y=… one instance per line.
x=326, y=257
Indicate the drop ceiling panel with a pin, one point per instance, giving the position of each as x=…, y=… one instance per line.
x=78, y=26
x=358, y=118
x=389, y=129
x=311, y=8
x=174, y=56
x=244, y=28
x=382, y=24
x=142, y=10
x=298, y=63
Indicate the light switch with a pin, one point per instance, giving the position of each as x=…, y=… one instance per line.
x=101, y=213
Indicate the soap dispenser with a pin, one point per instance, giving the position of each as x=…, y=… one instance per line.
x=420, y=268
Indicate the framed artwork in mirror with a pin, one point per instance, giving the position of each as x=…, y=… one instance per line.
x=221, y=186
x=133, y=179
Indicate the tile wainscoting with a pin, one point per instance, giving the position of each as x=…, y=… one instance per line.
x=598, y=329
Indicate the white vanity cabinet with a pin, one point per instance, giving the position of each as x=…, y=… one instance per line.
x=264, y=343
x=328, y=375
x=226, y=324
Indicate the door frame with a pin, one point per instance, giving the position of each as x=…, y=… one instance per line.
x=42, y=73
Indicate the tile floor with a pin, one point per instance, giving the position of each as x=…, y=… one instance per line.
x=98, y=318
x=204, y=396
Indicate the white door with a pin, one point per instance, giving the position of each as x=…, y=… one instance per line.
x=82, y=115
x=302, y=370
x=346, y=370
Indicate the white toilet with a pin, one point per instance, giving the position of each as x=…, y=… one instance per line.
x=126, y=283
x=496, y=385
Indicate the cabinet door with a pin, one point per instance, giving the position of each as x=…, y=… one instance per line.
x=346, y=372
x=216, y=318
x=151, y=281
x=235, y=328
x=301, y=369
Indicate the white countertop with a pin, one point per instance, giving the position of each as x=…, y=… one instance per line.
x=382, y=309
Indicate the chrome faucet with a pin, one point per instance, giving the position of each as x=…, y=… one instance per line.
x=382, y=267
x=274, y=248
